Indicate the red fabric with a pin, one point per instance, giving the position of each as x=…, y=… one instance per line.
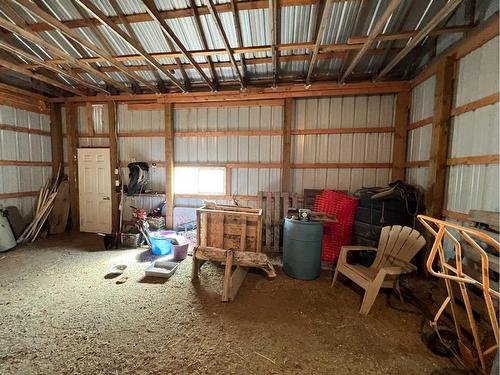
x=336, y=235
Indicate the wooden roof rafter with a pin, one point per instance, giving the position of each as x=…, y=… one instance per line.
x=229, y=50
x=274, y=19
x=239, y=37
x=92, y=9
x=28, y=56
x=28, y=73
x=73, y=35
x=204, y=44
x=425, y=31
x=131, y=32
x=377, y=28
x=324, y=8
x=32, y=37
x=153, y=11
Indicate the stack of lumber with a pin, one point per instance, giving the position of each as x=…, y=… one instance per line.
x=44, y=207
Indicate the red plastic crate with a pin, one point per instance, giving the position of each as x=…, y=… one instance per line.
x=336, y=235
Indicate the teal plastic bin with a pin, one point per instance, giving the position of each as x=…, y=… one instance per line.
x=302, y=249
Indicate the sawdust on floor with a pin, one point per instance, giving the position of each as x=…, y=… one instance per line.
x=60, y=315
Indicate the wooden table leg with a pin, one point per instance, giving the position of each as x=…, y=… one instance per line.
x=226, y=289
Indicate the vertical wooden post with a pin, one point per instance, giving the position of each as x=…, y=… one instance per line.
x=286, y=145
x=169, y=165
x=56, y=139
x=443, y=98
x=113, y=152
x=90, y=119
x=401, y=119
x=72, y=164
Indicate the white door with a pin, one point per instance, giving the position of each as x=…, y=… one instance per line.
x=94, y=187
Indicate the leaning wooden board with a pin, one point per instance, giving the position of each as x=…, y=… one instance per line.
x=58, y=218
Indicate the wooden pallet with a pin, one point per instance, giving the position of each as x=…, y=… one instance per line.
x=274, y=207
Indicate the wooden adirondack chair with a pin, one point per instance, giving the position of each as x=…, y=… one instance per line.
x=396, y=248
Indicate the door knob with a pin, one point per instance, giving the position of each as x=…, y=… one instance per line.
x=105, y=199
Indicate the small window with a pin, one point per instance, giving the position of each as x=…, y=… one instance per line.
x=200, y=180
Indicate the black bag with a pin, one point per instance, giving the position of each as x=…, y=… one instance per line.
x=138, y=177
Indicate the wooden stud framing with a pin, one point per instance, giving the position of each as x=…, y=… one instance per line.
x=89, y=115
x=287, y=142
x=20, y=129
x=400, y=135
x=113, y=151
x=19, y=194
x=476, y=104
x=169, y=165
x=283, y=91
x=56, y=139
x=72, y=144
x=443, y=98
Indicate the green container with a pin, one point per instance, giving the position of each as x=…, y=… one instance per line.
x=302, y=249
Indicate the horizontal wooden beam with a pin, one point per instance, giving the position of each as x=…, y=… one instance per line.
x=20, y=129
x=417, y=164
x=21, y=93
x=228, y=133
x=459, y=216
x=420, y=123
x=319, y=89
x=463, y=160
x=257, y=165
x=222, y=104
x=473, y=160
x=388, y=129
x=19, y=194
x=25, y=163
x=476, y=104
x=217, y=197
x=339, y=165
x=409, y=34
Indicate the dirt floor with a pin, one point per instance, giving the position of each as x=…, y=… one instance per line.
x=60, y=315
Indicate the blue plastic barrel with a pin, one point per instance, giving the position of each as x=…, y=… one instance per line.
x=302, y=249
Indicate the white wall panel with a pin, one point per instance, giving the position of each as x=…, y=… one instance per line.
x=419, y=139
x=342, y=112
x=473, y=187
x=23, y=147
x=129, y=121
x=478, y=73
x=475, y=133
x=422, y=100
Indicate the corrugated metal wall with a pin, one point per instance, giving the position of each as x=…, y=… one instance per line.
x=342, y=112
x=20, y=146
x=419, y=139
x=475, y=133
